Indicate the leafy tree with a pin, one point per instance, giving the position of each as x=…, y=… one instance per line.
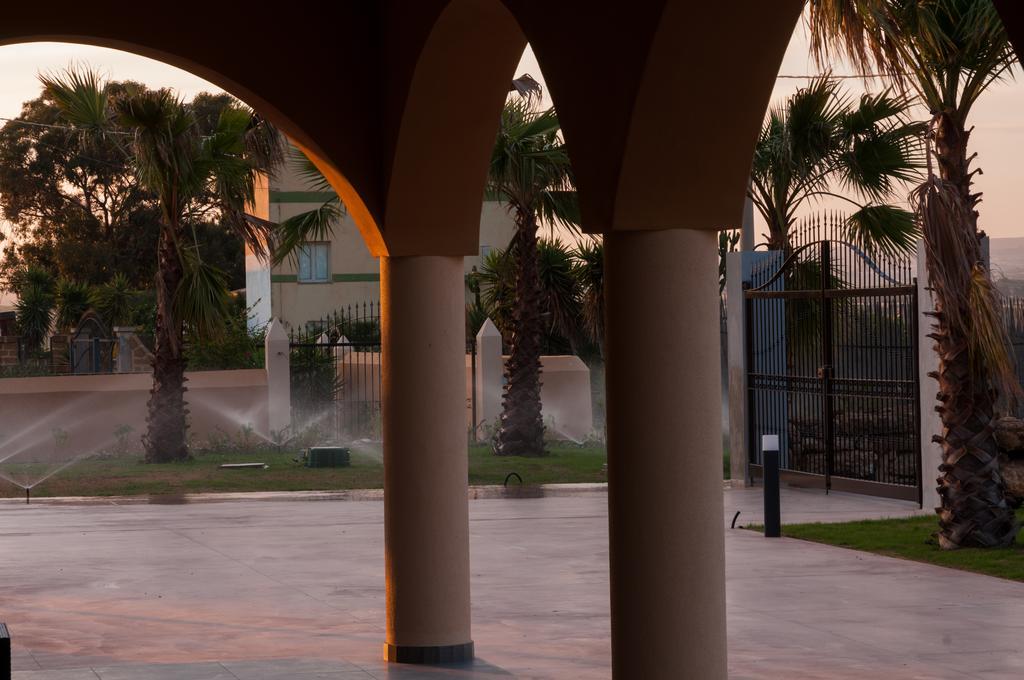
x=239, y=346
x=948, y=52
x=77, y=208
x=195, y=164
x=818, y=141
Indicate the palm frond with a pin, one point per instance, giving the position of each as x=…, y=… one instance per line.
x=312, y=225
x=308, y=172
x=80, y=94
x=963, y=292
x=73, y=300
x=113, y=300
x=883, y=229
x=589, y=255
x=201, y=301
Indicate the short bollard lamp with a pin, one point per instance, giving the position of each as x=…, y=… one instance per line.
x=5, y=653
x=770, y=466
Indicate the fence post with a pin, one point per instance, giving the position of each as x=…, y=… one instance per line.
x=5, y=653
x=927, y=361
x=736, y=370
x=489, y=369
x=279, y=395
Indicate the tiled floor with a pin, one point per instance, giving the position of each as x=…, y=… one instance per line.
x=252, y=590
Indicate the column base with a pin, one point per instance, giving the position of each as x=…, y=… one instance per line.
x=428, y=655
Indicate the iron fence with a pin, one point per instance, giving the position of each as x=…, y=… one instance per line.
x=1013, y=317
x=335, y=366
x=335, y=374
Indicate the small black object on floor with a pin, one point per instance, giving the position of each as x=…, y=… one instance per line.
x=5, y=653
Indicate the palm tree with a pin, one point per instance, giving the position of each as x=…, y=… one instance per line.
x=819, y=140
x=36, y=292
x=562, y=295
x=531, y=174
x=948, y=52
x=191, y=168
x=72, y=302
x=589, y=256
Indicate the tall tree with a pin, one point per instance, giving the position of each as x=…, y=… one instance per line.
x=949, y=52
x=530, y=172
x=819, y=144
x=76, y=207
x=183, y=156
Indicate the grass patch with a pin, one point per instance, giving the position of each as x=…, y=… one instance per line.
x=126, y=475
x=912, y=538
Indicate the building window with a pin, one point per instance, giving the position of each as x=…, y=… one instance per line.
x=313, y=263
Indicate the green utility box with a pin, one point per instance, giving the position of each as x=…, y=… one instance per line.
x=327, y=456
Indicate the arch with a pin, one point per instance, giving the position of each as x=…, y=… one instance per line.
x=294, y=95
x=695, y=176
x=1012, y=12
x=438, y=161
x=625, y=64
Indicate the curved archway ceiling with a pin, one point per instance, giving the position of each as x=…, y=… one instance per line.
x=398, y=102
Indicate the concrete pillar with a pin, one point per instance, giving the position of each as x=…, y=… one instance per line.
x=747, y=235
x=489, y=371
x=927, y=361
x=736, y=336
x=426, y=508
x=279, y=387
x=666, y=535
x=739, y=271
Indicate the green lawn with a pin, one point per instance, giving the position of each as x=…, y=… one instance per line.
x=911, y=538
x=126, y=475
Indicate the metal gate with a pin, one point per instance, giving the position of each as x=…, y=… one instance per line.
x=336, y=377
x=831, y=343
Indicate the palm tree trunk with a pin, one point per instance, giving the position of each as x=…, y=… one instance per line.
x=973, y=511
x=522, y=426
x=165, y=439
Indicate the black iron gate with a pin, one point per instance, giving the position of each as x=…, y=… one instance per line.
x=832, y=369
x=335, y=375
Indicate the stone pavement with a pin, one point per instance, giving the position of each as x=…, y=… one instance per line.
x=253, y=589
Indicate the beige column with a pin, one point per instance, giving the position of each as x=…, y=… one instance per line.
x=665, y=456
x=279, y=392
x=426, y=509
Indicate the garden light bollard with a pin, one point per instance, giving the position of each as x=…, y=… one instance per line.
x=770, y=456
x=5, y=653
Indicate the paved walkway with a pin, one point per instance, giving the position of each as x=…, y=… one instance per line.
x=252, y=590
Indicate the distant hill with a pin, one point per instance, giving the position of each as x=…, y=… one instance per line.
x=1008, y=265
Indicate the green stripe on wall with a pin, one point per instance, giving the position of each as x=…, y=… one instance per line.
x=336, y=278
x=300, y=196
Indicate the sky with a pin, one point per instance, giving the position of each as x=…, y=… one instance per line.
x=998, y=117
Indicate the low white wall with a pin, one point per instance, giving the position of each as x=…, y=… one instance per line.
x=36, y=413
